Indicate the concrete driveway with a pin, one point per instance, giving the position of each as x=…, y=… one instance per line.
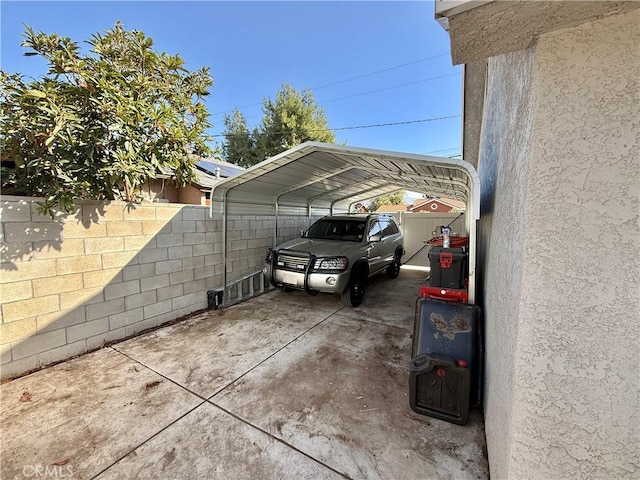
x=285, y=385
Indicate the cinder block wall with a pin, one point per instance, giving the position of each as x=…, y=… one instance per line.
x=110, y=270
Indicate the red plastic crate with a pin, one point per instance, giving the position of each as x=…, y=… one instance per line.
x=448, y=294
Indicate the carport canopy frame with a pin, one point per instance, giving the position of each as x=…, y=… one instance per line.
x=320, y=178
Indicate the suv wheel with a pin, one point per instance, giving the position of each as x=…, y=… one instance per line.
x=393, y=270
x=353, y=295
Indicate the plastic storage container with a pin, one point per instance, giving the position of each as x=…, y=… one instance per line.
x=452, y=330
x=448, y=267
x=439, y=387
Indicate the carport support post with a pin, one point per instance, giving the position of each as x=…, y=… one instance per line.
x=224, y=246
x=471, y=228
x=275, y=227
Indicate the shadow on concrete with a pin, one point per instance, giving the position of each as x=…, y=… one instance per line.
x=284, y=385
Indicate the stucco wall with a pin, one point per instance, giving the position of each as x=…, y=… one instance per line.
x=475, y=74
x=577, y=384
x=560, y=287
x=108, y=271
x=505, y=152
x=190, y=194
x=159, y=189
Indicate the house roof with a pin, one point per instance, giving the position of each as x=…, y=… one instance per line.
x=392, y=208
x=204, y=179
x=445, y=201
x=226, y=169
x=206, y=172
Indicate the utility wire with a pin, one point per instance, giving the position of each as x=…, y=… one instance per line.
x=348, y=79
x=378, y=71
x=389, y=88
x=440, y=151
x=408, y=122
x=373, y=91
x=377, y=125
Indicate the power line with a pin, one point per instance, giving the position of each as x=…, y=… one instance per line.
x=374, y=91
x=389, y=88
x=378, y=71
x=377, y=125
x=349, y=79
x=440, y=151
x=408, y=122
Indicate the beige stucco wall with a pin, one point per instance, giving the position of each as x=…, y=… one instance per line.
x=498, y=27
x=505, y=152
x=159, y=189
x=560, y=286
x=190, y=194
x=475, y=74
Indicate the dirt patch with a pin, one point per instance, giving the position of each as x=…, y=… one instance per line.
x=151, y=385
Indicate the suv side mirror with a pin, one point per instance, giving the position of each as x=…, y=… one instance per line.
x=375, y=238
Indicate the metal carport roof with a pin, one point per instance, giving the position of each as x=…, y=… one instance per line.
x=314, y=178
x=320, y=178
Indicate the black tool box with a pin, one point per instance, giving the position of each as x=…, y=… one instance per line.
x=448, y=267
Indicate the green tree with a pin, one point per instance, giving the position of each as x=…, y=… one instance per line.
x=396, y=198
x=239, y=146
x=98, y=125
x=289, y=120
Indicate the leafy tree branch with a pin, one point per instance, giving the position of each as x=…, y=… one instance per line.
x=99, y=125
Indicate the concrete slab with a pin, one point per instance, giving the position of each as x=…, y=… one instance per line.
x=209, y=443
x=206, y=353
x=380, y=304
x=76, y=418
x=299, y=387
x=339, y=394
x=389, y=301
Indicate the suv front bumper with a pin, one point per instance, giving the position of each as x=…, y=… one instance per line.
x=315, y=282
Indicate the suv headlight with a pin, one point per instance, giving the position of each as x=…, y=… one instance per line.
x=332, y=263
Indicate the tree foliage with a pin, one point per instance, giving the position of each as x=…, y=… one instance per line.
x=291, y=119
x=396, y=198
x=98, y=125
x=239, y=146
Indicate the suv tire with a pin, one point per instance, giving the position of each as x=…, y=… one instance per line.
x=393, y=270
x=354, y=293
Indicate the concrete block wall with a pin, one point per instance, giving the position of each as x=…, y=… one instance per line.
x=250, y=236
x=110, y=270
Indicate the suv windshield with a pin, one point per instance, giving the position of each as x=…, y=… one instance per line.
x=332, y=229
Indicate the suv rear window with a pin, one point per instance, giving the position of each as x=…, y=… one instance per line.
x=343, y=230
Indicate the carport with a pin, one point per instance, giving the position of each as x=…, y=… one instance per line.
x=284, y=385
x=315, y=179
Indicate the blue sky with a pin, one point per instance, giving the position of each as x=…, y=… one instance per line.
x=367, y=63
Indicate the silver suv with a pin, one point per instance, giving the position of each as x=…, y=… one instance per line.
x=337, y=254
